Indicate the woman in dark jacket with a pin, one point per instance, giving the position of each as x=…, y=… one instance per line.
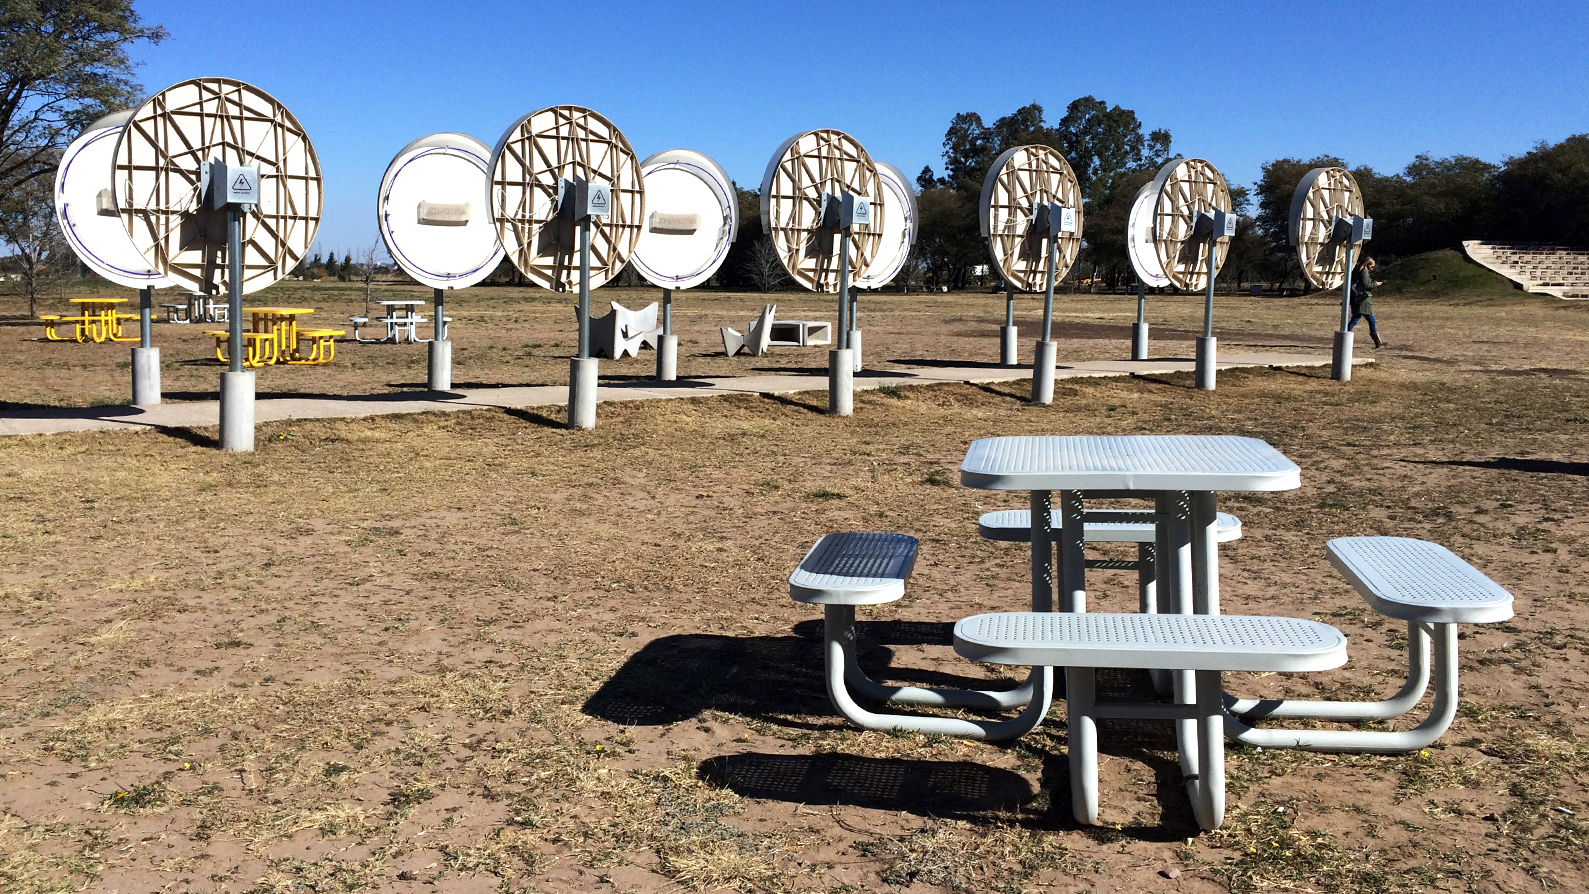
x=1363, y=299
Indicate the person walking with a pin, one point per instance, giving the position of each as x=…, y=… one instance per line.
x=1363, y=299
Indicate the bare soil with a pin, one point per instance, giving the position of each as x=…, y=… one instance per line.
x=478, y=652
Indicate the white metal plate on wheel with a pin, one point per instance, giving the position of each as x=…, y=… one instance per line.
x=1139, y=239
x=691, y=218
x=457, y=246
x=805, y=168
x=98, y=238
x=898, y=229
x=157, y=187
x=1020, y=179
x=542, y=148
x=1323, y=195
x=1184, y=189
x=1128, y=462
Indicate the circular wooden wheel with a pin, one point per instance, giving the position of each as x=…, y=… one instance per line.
x=1322, y=196
x=1018, y=178
x=1186, y=188
x=564, y=142
x=805, y=167
x=157, y=189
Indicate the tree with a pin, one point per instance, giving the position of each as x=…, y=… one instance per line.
x=63, y=63
x=345, y=270
x=331, y=265
x=367, y=267
x=27, y=224
x=1543, y=196
x=762, y=267
x=1104, y=143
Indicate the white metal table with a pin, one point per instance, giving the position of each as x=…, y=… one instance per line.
x=400, y=320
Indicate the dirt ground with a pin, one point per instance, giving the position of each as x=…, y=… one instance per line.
x=478, y=652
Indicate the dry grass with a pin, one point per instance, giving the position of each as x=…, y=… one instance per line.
x=475, y=652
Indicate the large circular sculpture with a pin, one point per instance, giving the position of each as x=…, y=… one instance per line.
x=1323, y=196
x=431, y=211
x=555, y=144
x=807, y=166
x=694, y=214
x=157, y=186
x=86, y=210
x=1184, y=189
x=1139, y=239
x=898, y=230
x=1019, y=179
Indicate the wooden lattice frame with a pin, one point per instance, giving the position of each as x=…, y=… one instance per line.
x=805, y=167
x=1186, y=188
x=1020, y=177
x=157, y=190
x=1322, y=196
x=557, y=143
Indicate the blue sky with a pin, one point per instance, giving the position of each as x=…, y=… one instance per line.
x=1238, y=83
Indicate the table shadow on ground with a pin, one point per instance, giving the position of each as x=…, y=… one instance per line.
x=957, y=789
x=1511, y=464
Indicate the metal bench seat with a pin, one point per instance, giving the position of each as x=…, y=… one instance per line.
x=1168, y=642
x=1015, y=526
x=1206, y=645
x=1416, y=581
x=854, y=568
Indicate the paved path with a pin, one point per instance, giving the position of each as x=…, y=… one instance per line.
x=197, y=414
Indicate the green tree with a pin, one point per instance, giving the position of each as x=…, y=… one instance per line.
x=345, y=269
x=1543, y=196
x=950, y=240
x=1104, y=143
x=28, y=226
x=63, y=63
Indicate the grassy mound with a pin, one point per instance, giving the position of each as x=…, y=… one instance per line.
x=1446, y=273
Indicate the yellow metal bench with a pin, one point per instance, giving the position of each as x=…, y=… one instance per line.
x=322, y=346
x=52, y=320
x=260, y=347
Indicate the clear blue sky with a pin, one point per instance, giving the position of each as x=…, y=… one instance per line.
x=1236, y=83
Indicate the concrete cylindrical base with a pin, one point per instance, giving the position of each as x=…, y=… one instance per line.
x=1043, y=360
x=237, y=412
x=841, y=382
x=1139, y=341
x=855, y=349
x=439, y=369
x=668, y=358
x=1207, y=356
x=582, y=392
x=1007, y=345
x=1341, y=359
x=145, y=377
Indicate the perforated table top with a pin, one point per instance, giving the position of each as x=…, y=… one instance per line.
x=1415, y=580
x=1173, y=642
x=854, y=568
x=1127, y=463
x=1015, y=526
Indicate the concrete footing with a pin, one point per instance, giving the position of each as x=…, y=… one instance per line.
x=1008, y=346
x=1207, y=358
x=582, y=392
x=439, y=369
x=1139, y=341
x=855, y=349
x=145, y=377
x=1043, y=360
x=237, y=411
x=1341, y=358
x=841, y=382
x=668, y=358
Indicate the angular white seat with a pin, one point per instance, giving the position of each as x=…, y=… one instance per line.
x=1416, y=581
x=1015, y=526
x=1207, y=645
x=854, y=568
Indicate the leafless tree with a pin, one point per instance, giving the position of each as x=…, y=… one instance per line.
x=369, y=262
x=27, y=225
x=763, y=268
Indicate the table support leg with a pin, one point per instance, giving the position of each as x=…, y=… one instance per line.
x=1206, y=784
x=1180, y=560
x=1205, y=553
x=1082, y=742
x=1072, y=553
x=1042, y=552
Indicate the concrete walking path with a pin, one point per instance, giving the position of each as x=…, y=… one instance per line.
x=199, y=414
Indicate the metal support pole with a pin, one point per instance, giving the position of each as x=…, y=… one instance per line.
x=1009, y=334
x=668, y=344
x=1207, y=345
x=844, y=288
x=1048, y=289
x=1139, y=329
x=1009, y=305
x=841, y=361
x=439, y=327
x=1043, y=357
x=438, y=371
x=145, y=357
x=584, y=288
x=145, y=324
x=1341, y=358
x=667, y=311
x=234, y=285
